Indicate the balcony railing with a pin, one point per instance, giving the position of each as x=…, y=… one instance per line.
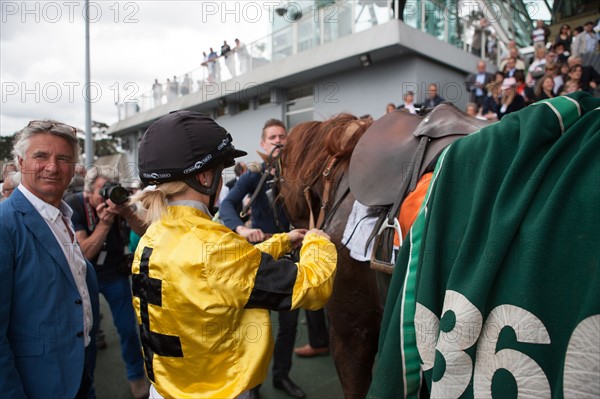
x=315, y=26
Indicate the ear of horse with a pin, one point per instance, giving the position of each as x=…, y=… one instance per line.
x=348, y=133
x=263, y=156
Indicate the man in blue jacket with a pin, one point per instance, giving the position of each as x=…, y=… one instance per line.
x=48, y=292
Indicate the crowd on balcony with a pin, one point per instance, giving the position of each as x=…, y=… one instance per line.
x=567, y=59
x=560, y=66
x=229, y=56
x=236, y=61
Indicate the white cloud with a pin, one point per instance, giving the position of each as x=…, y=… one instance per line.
x=42, y=51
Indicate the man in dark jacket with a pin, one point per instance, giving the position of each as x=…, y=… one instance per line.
x=433, y=98
x=476, y=83
x=267, y=219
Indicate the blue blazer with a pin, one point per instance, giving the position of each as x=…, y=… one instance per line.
x=42, y=350
x=263, y=216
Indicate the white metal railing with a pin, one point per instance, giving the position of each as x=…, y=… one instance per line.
x=319, y=26
x=316, y=27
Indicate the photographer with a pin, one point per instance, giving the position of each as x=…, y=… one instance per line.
x=102, y=222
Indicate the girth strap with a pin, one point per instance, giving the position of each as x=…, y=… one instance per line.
x=410, y=179
x=407, y=185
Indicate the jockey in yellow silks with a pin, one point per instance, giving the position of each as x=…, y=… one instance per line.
x=202, y=293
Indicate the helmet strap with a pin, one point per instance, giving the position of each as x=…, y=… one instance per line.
x=210, y=191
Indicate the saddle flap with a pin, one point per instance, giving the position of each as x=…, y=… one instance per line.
x=445, y=120
x=382, y=157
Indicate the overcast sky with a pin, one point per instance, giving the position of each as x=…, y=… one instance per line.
x=42, y=51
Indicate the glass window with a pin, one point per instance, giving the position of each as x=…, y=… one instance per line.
x=282, y=43
x=300, y=110
x=294, y=119
x=308, y=34
x=337, y=20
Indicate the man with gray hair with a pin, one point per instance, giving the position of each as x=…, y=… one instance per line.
x=102, y=220
x=48, y=292
x=77, y=182
x=11, y=181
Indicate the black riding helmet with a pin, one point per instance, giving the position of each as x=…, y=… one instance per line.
x=182, y=144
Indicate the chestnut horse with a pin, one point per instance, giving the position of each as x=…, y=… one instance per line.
x=315, y=175
x=314, y=172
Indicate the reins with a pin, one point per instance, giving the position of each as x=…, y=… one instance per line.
x=272, y=162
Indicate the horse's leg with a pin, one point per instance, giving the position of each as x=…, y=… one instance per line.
x=354, y=311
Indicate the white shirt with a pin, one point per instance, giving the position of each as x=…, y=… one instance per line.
x=536, y=66
x=479, y=78
x=54, y=219
x=558, y=83
x=590, y=41
x=410, y=108
x=538, y=35
x=222, y=195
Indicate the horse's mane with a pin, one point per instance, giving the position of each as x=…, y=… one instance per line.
x=311, y=144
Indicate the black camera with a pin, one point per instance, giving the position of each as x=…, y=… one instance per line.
x=115, y=192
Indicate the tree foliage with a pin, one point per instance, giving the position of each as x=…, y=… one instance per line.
x=103, y=143
x=6, y=147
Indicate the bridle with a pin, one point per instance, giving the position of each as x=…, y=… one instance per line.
x=331, y=179
x=273, y=163
x=327, y=176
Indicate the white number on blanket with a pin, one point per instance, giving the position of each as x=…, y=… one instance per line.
x=582, y=362
x=530, y=377
x=582, y=358
x=427, y=326
x=452, y=344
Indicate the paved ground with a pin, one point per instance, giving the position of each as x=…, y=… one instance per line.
x=316, y=376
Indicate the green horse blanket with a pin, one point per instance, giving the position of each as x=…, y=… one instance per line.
x=496, y=291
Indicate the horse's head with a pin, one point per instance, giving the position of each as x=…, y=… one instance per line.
x=295, y=158
x=311, y=149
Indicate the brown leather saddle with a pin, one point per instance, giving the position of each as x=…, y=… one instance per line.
x=389, y=150
x=392, y=156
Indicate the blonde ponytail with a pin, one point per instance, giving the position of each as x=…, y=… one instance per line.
x=152, y=204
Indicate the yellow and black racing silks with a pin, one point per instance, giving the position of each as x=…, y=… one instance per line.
x=201, y=294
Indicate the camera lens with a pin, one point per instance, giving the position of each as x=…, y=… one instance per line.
x=119, y=195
